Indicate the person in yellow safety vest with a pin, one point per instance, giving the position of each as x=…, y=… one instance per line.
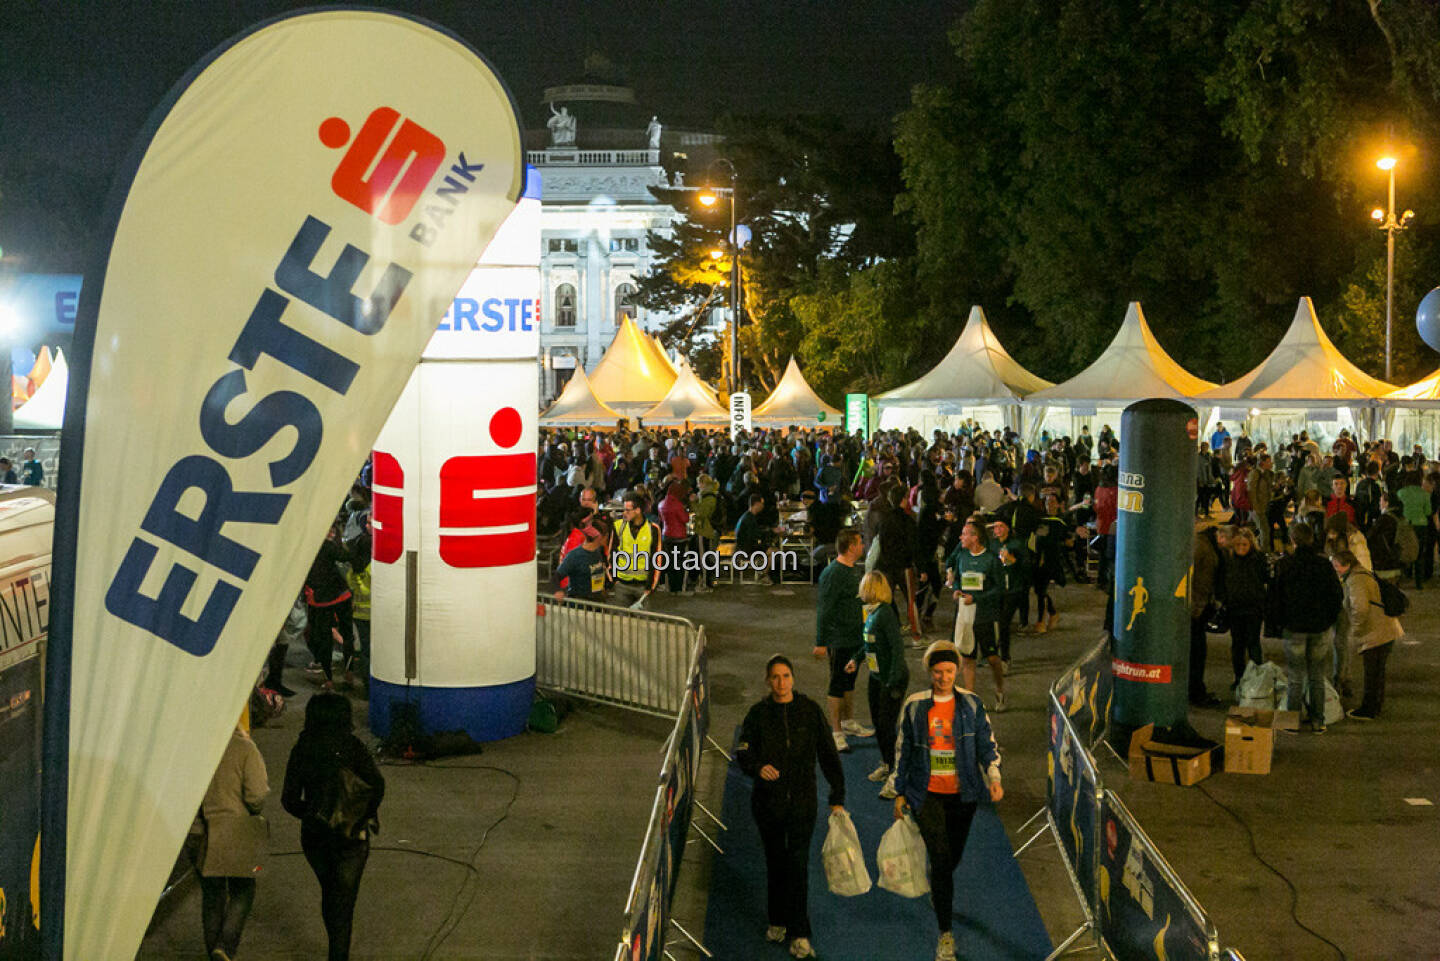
x=358, y=577
x=636, y=545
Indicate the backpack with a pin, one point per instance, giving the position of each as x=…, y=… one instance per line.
x=1407, y=545
x=1392, y=599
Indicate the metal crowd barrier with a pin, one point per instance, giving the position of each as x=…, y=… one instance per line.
x=613, y=655
x=1133, y=900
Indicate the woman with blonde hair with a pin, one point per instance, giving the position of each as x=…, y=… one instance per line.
x=884, y=653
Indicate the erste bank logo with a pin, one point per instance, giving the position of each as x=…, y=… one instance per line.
x=389, y=167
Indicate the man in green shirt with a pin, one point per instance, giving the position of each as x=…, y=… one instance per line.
x=977, y=577
x=840, y=633
x=1414, y=494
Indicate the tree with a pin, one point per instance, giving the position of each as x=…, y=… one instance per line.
x=813, y=192
x=1200, y=158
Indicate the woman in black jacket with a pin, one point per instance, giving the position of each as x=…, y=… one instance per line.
x=312, y=793
x=1243, y=580
x=780, y=740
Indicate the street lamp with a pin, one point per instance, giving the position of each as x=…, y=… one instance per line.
x=1389, y=223
x=709, y=198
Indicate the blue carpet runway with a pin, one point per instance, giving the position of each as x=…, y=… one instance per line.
x=995, y=916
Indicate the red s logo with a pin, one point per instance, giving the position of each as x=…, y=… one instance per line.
x=398, y=177
x=387, y=508
x=494, y=496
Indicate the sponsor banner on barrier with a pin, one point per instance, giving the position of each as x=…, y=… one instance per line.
x=1144, y=673
x=1073, y=802
x=19, y=807
x=1085, y=694
x=302, y=202
x=1141, y=916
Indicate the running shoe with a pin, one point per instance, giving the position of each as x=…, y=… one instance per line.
x=945, y=948
x=800, y=948
x=840, y=743
x=775, y=933
x=879, y=774
x=856, y=729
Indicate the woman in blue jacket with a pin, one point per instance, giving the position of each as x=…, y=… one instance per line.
x=947, y=762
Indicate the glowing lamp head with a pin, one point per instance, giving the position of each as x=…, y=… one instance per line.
x=1386, y=163
x=1377, y=215
x=716, y=253
x=708, y=198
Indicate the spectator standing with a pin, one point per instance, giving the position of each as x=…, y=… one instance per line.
x=1307, y=603
x=233, y=848
x=32, y=472
x=1244, y=579
x=337, y=854
x=1205, y=571
x=581, y=575
x=675, y=532
x=781, y=740
x=328, y=607
x=7, y=472
x=1365, y=629
x=1414, y=495
x=947, y=761
x=1383, y=539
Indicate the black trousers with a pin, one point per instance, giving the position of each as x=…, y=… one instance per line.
x=1245, y=642
x=1044, y=603
x=1011, y=604
x=1198, y=650
x=885, y=715
x=322, y=642
x=1374, y=660
x=787, y=868
x=224, y=905
x=338, y=864
x=944, y=822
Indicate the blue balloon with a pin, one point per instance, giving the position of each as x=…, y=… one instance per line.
x=1427, y=319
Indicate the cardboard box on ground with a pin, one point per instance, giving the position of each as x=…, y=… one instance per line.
x=1250, y=738
x=1171, y=763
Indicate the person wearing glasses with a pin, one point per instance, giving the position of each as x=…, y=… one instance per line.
x=636, y=545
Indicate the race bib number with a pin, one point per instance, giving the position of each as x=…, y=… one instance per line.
x=942, y=762
x=872, y=662
x=597, y=580
x=972, y=581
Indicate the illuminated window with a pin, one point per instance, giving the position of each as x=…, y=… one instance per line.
x=628, y=245
x=623, y=302
x=565, y=305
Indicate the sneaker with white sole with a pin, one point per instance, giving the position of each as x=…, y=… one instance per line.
x=856, y=729
x=945, y=948
x=1000, y=703
x=800, y=948
x=840, y=743
x=879, y=774
x=775, y=933
x=888, y=792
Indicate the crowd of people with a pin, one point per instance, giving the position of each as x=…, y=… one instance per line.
x=1314, y=550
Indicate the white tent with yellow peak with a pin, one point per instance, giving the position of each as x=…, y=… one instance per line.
x=1133, y=367
x=1412, y=414
x=633, y=375
x=794, y=402
x=977, y=380
x=1305, y=383
x=577, y=406
x=689, y=401
x=664, y=355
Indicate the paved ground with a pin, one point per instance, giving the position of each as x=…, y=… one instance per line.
x=550, y=878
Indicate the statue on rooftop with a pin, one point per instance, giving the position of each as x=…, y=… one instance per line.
x=562, y=127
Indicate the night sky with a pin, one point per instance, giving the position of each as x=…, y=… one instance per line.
x=77, y=81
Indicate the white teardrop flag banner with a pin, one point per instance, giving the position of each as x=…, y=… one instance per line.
x=297, y=220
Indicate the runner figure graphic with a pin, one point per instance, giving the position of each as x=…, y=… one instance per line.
x=1138, y=597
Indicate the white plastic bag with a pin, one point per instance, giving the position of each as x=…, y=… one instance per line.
x=964, y=636
x=1262, y=686
x=900, y=860
x=1334, y=709
x=845, y=869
